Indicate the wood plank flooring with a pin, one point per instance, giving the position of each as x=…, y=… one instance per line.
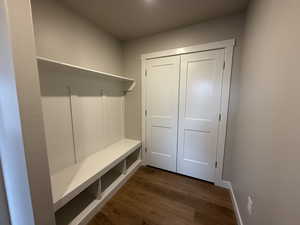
x=156, y=197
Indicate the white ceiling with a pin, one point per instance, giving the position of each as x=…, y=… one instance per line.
x=129, y=19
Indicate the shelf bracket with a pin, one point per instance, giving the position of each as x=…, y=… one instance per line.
x=130, y=89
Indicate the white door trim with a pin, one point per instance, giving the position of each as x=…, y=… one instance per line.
x=228, y=46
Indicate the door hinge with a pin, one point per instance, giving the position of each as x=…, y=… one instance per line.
x=220, y=117
x=146, y=112
x=216, y=164
x=224, y=64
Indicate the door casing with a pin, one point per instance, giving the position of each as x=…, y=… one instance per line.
x=228, y=46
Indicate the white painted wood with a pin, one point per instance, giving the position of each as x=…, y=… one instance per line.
x=92, y=113
x=69, y=182
x=225, y=184
x=143, y=103
x=50, y=64
x=94, y=109
x=65, y=215
x=132, y=158
x=99, y=192
x=95, y=206
x=110, y=176
x=124, y=167
x=58, y=130
x=200, y=98
x=88, y=122
x=228, y=46
x=235, y=204
x=224, y=113
x=89, y=213
x=114, y=112
x=162, y=112
x=94, y=189
x=131, y=87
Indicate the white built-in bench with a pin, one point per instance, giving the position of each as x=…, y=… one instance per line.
x=80, y=190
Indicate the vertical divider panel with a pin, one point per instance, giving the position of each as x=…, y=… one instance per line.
x=72, y=123
x=124, y=171
x=123, y=115
x=101, y=129
x=99, y=192
x=140, y=154
x=106, y=118
x=93, y=189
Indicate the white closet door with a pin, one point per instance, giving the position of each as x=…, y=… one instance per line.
x=200, y=96
x=162, y=111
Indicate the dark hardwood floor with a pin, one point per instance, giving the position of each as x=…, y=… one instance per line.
x=156, y=197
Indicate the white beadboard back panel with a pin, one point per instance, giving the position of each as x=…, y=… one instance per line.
x=82, y=115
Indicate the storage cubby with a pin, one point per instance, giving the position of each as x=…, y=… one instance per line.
x=69, y=212
x=111, y=176
x=132, y=158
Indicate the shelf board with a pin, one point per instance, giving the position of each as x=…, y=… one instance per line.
x=69, y=182
x=46, y=64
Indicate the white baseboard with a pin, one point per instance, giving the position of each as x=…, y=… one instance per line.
x=224, y=184
x=235, y=204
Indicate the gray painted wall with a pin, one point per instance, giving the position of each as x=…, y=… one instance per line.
x=211, y=31
x=265, y=149
x=65, y=36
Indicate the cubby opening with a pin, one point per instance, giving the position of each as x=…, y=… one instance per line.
x=68, y=213
x=111, y=176
x=132, y=158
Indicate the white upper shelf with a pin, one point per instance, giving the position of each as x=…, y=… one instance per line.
x=47, y=64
